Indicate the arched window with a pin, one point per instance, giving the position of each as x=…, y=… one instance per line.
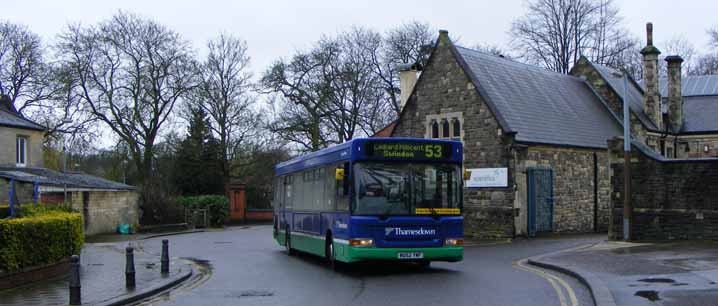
x=445, y=128
x=457, y=128
x=434, y=129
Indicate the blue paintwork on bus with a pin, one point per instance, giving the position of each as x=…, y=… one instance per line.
x=343, y=225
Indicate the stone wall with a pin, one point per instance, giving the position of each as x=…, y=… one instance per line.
x=8, y=137
x=574, y=197
x=23, y=191
x=672, y=199
x=107, y=210
x=445, y=88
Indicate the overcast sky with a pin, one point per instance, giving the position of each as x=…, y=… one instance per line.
x=276, y=28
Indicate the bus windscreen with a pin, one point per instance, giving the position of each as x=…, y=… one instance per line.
x=407, y=189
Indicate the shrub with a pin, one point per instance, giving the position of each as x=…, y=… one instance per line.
x=31, y=209
x=217, y=206
x=44, y=238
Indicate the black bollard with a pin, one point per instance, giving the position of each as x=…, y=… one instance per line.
x=75, y=286
x=165, y=260
x=130, y=268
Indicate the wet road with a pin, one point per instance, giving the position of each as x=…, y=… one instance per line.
x=246, y=267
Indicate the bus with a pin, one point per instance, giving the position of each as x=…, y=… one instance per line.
x=397, y=199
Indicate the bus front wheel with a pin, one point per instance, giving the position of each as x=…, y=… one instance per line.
x=331, y=256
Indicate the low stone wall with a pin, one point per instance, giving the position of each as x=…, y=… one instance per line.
x=672, y=199
x=107, y=209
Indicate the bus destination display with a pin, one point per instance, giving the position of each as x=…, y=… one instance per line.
x=408, y=150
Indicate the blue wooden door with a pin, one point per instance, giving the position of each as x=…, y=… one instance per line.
x=540, y=200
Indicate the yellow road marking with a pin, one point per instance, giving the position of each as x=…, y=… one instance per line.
x=553, y=283
x=551, y=278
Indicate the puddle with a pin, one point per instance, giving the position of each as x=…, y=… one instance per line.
x=657, y=280
x=650, y=295
x=679, y=284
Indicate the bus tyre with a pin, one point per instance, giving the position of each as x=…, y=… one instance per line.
x=331, y=256
x=288, y=242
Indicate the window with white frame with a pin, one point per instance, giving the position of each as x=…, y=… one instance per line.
x=445, y=126
x=21, y=151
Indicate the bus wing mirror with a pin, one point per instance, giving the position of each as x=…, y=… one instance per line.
x=467, y=175
x=339, y=174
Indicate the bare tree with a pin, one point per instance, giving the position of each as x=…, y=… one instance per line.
x=225, y=94
x=130, y=73
x=22, y=71
x=609, y=42
x=555, y=33
x=678, y=46
x=302, y=90
x=713, y=37
x=408, y=43
x=706, y=64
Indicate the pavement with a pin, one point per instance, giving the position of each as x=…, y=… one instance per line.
x=102, y=276
x=247, y=267
x=678, y=273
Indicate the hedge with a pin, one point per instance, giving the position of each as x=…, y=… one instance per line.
x=31, y=209
x=218, y=207
x=41, y=239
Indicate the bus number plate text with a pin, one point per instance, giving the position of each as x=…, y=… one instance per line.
x=410, y=255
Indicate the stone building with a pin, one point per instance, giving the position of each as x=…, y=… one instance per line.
x=546, y=131
x=103, y=203
x=674, y=116
x=535, y=141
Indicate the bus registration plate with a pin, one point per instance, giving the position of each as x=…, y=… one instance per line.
x=410, y=255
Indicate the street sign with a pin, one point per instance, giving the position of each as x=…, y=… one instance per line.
x=488, y=177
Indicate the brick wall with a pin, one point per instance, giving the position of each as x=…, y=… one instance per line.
x=672, y=199
x=444, y=88
x=8, y=136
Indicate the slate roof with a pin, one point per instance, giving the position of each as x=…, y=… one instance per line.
x=47, y=177
x=541, y=106
x=701, y=114
x=11, y=119
x=698, y=85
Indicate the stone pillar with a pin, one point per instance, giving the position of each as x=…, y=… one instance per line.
x=652, y=95
x=675, y=97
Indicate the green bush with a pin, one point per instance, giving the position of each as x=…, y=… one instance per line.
x=30, y=209
x=217, y=206
x=43, y=238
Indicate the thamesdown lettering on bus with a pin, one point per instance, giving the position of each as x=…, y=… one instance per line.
x=398, y=231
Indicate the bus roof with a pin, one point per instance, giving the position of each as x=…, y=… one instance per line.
x=350, y=150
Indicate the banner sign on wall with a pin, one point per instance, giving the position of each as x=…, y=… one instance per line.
x=488, y=177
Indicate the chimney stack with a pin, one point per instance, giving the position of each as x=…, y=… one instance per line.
x=675, y=97
x=651, y=97
x=408, y=75
x=6, y=103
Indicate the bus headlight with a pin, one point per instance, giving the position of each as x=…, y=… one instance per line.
x=454, y=241
x=361, y=242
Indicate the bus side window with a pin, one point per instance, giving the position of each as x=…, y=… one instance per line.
x=288, y=191
x=342, y=187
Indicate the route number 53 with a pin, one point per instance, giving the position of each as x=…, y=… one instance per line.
x=432, y=151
